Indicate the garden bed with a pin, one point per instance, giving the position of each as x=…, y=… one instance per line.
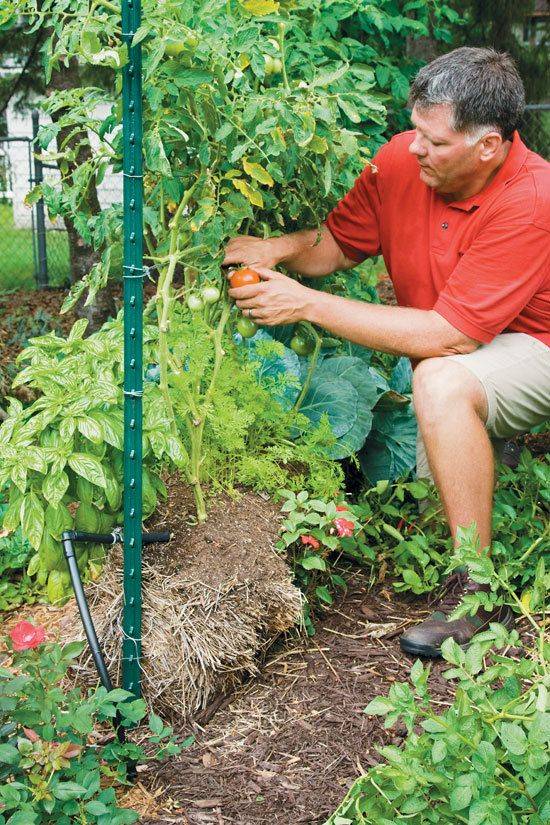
x=288, y=746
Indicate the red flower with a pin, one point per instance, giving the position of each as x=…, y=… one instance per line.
x=341, y=508
x=25, y=636
x=311, y=541
x=344, y=527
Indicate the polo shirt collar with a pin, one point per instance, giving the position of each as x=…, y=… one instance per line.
x=509, y=169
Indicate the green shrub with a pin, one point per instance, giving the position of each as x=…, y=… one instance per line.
x=52, y=767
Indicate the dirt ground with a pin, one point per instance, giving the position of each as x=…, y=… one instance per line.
x=286, y=747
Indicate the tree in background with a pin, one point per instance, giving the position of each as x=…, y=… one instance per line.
x=500, y=23
x=21, y=85
x=22, y=76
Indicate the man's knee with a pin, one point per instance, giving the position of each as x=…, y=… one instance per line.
x=440, y=386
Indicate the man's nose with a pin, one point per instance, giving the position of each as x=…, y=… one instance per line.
x=417, y=148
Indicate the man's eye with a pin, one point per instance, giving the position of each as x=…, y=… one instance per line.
x=436, y=144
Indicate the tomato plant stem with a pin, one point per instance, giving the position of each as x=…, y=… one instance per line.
x=281, y=41
x=313, y=358
x=198, y=413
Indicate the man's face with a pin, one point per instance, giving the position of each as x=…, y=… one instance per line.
x=448, y=163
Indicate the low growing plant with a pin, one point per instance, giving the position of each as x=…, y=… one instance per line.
x=16, y=585
x=63, y=452
x=372, y=532
x=485, y=759
x=60, y=758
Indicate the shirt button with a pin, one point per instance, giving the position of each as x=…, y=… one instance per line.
x=444, y=225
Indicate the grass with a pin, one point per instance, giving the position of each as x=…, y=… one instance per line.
x=17, y=267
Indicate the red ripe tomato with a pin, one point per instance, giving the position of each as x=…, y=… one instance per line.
x=244, y=277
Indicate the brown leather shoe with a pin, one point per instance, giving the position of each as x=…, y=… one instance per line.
x=426, y=638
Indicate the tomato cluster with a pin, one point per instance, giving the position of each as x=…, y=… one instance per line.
x=207, y=295
x=245, y=277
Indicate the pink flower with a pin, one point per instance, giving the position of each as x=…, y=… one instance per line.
x=25, y=636
x=311, y=541
x=344, y=527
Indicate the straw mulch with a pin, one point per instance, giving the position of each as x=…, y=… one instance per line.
x=214, y=599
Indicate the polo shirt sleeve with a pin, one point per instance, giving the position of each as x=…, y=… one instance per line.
x=355, y=221
x=496, y=277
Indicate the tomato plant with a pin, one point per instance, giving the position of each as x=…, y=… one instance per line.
x=258, y=115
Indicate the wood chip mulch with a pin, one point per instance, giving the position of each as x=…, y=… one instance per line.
x=287, y=747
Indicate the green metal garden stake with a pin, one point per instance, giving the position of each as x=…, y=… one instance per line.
x=133, y=347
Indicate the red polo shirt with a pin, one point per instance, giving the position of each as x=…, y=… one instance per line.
x=482, y=263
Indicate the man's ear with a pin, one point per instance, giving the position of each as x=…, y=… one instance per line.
x=490, y=145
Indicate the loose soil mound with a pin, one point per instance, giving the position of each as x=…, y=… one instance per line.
x=214, y=599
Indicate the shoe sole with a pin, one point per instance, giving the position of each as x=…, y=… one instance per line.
x=431, y=652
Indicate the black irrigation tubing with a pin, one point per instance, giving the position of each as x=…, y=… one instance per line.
x=68, y=538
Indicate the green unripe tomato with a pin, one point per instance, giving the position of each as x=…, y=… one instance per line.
x=194, y=302
x=269, y=64
x=246, y=327
x=277, y=66
x=174, y=48
x=210, y=294
x=192, y=40
x=301, y=345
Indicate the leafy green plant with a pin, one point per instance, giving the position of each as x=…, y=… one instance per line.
x=16, y=586
x=339, y=382
x=395, y=541
x=53, y=766
x=65, y=449
x=484, y=759
x=320, y=533
x=521, y=519
x=315, y=529
x=63, y=452
x=231, y=414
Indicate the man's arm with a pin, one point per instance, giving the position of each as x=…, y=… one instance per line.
x=311, y=252
x=416, y=333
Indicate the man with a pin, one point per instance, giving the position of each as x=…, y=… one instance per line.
x=460, y=210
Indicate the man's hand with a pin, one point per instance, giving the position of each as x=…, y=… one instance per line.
x=311, y=252
x=250, y=251
x=277, y=299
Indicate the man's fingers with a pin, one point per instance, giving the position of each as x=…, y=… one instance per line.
x=267, y=274
x=248, y=303
x=249, y=291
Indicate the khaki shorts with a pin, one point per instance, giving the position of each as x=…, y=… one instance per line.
x=514, y=371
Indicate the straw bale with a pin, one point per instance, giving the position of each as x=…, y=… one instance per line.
x=213, y=600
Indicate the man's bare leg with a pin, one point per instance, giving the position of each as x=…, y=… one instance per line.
x=451, y=409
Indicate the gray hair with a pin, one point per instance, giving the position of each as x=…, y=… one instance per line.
x=481, y=85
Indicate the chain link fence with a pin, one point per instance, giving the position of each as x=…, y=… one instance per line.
x=33, y=251
x=535, y=129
